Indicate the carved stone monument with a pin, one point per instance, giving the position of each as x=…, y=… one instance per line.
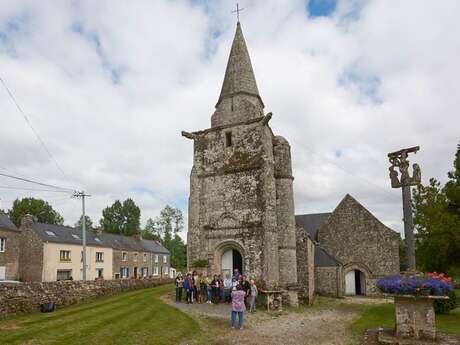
x=399, y=160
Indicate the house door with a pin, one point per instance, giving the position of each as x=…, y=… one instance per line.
x=2, y=272
x=135, y=272
x=350, y=283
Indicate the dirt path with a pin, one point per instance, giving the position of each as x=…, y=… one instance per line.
x=328, y=326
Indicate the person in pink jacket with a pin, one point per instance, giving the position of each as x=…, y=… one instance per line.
x=238, y=306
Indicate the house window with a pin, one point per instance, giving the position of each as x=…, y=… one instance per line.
x=124, y=272
x=117, y=275
x=99, y=272
x=64, y=255
x=124, y=256
x=99, y=257
x=136, y=256
x=228, y=139
x=166, y=270
x=144, y=272
x=155, y=271
x=156, y=258
x=2, y=244
x=145, y=257
x=165, y=259
x=64, y=275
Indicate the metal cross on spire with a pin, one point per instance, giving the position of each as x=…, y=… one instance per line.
x=237, y=11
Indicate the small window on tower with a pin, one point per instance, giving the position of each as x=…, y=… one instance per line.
x=228, y=139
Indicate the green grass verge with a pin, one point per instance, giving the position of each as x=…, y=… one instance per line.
x=383, y=316
x=136, y=317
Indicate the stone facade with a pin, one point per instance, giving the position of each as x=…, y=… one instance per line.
x=241, y=194
x=31, y=249
x=328, y=281
x=9, y=249
x=361, y=243
x=27, y=297
x=305, y=266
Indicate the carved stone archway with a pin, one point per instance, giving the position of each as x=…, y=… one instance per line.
x=219, y=251
x=357, y=272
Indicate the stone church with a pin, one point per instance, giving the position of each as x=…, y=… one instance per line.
x=241, y=204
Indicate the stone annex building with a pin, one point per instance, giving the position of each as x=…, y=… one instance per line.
x=241, y=207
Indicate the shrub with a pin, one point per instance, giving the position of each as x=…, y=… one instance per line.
x=200, y=263
x=445, y=305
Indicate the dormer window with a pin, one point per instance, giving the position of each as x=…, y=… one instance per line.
x=228, y=139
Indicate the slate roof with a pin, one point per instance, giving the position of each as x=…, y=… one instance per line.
x=311, y=222
x=323, y=259
x=70, y=235
x=6, y=223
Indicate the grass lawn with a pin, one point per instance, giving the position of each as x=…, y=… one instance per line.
x=383, y=316
x=137, y=317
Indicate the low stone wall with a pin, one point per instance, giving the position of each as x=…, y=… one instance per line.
x=27, y=297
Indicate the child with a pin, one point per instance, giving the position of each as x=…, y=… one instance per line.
x=179, y=286
x=238, y=306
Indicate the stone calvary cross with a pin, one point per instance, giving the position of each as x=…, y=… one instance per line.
x=399, y=159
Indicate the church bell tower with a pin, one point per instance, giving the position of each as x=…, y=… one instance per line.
x=241, y=206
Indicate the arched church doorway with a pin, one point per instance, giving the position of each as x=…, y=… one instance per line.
x=231, y=260
x=355, y=283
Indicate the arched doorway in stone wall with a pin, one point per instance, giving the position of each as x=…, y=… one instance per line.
x=228, y=256
x=355, y=283
x=231, y=260
x=355, y=275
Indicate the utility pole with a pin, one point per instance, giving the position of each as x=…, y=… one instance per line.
x=399, y=159
x=82, y=195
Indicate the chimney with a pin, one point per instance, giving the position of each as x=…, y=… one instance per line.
x=28, y=220
x=138, y=235
x=98, y=231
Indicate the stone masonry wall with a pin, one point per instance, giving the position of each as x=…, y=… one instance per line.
x=27, y=297
x=305, y=266
x=10, y=257
x=360, y=241
x=327, y=280
x=30, y=265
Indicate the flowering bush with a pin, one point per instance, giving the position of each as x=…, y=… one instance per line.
x=431, y=284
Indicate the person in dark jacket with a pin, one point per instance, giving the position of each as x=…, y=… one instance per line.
x=188, y=286
x=215, y=287
x=246, y=287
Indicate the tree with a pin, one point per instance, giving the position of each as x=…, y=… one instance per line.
x=167, y=227
x=452, y=187
x=88, y=222
x=437, y=222
x=121, y=218
x=39, y=208
x=151, y=231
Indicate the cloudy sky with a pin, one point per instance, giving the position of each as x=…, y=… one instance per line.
x=109, y=85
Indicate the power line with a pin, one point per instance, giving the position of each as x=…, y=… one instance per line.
x=37, y=183
x=34, y=189
x=42, y=143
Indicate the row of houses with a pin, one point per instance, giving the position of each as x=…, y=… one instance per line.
x=39, y=252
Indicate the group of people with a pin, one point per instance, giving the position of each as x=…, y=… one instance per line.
x=237, y=290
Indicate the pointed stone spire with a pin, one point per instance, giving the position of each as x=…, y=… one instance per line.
x=239, y=76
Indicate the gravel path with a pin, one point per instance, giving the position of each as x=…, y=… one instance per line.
x=310, y=327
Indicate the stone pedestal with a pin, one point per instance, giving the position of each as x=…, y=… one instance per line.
x=273, y=300
x=415, y=317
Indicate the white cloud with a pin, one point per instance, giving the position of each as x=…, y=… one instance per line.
x=109, y=85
